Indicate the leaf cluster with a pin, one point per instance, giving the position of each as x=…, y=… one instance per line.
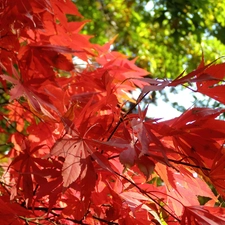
x=77, y=156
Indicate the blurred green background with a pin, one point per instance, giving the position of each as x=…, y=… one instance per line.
x=168, y=36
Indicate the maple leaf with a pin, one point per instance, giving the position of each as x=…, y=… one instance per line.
x=75, y=149
x=186, y=190
x=62, y=8
x=11, y=212
x=29, y=165
x=76, y=115
x=146, y=166
x=134, y=200
x=41, y=99
x=128, y=156
x=49, y=57
x=216, y=173
x=194, y=76
x=195, y=133
x=122, y=70
x=214, y=87
x=150, y=144
x=197, y=215
x=208, y=78
x=153, y=85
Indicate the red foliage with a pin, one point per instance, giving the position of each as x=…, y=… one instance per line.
x=77, y=157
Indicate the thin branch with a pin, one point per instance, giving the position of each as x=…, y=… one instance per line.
x=72, y=220
x=188, y=164
x=115, y=128
x=105, y=221
x=146, y=194
x=174, y=161
x=125, y=115
x=45, y=209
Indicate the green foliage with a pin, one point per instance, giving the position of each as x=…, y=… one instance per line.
x=166, y=35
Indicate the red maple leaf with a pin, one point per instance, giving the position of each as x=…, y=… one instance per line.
x=198, y=215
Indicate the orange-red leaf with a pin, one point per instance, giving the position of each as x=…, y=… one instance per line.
x=200, y=215
x=74, y=151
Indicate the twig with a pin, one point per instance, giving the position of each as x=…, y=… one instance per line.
x=125, y=115
x=146, y=194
